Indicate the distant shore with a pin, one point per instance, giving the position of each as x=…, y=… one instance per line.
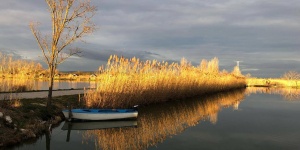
x=272, y=82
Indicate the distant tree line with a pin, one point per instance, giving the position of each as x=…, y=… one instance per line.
x=18, y=67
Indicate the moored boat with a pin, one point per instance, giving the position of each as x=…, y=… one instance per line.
x=100, y=114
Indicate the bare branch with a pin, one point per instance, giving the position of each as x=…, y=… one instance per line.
x=71, y=21
x=65, y=56
x=41, y=42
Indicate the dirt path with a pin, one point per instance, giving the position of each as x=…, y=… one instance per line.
x=41, y=94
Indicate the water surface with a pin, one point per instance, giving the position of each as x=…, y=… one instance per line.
x=7, y=85
x=236, y=120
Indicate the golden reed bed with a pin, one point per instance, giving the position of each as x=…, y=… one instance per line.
x=272, y=82
x=127, y=82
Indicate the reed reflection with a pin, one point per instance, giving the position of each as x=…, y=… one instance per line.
x=160, y=121
x=24, y=84
x=16, y=85
x=290, y=94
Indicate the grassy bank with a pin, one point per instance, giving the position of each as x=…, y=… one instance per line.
x=268, y=82
x=127, y=82
x=30, y=118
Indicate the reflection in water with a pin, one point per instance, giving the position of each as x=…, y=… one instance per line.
x=158, y=122
x=286, y=93
x=92, y=125
x=12, y=85
x=8, y=85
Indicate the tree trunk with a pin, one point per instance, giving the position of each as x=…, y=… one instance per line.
x=48, y=140
x=50, y=94
x=49, y=100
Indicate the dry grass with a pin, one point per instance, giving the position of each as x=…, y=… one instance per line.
x=160, y=121
x=272, y=82
x=127, y=82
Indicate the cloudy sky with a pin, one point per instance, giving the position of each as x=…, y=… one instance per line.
x=263, y=34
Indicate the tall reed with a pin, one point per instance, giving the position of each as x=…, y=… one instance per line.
x=127, y=82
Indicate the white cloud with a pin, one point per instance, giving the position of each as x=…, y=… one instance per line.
x=268, y=22
x=15, y=17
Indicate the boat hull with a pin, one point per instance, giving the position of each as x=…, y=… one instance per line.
x=101, y=114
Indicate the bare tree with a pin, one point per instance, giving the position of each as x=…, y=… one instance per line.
x=291, y=75
x=71, y=20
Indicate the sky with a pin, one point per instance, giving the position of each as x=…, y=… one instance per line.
x=263, y=35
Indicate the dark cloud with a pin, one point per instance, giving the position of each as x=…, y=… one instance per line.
x=11, y=53
x=263, y=34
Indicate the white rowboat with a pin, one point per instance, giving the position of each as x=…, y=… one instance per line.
x=100, y=114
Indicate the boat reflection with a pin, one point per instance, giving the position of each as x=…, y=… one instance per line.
x=96, y=125
x=160, y=121
x=93, y=125
x=287, y=93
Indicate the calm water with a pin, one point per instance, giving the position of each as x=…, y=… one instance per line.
x=9, y=84
x=43, y=85
x=265, y=119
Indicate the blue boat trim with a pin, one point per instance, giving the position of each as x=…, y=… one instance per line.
x=99, y=111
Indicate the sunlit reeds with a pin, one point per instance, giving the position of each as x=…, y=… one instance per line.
x=18, y=68
x=127, y=82
x=267, y=82
x=160, y=121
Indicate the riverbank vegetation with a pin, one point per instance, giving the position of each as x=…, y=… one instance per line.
x=288, y=79
x=127, y=82
x=14, y=73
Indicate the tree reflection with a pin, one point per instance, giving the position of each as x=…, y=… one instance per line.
x=290, y=94
x=160, y=121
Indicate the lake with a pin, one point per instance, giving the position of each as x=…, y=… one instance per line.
x=7, y=85
x=255, y=118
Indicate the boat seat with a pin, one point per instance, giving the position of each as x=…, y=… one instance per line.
x=87, y=110
x=121, y=110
